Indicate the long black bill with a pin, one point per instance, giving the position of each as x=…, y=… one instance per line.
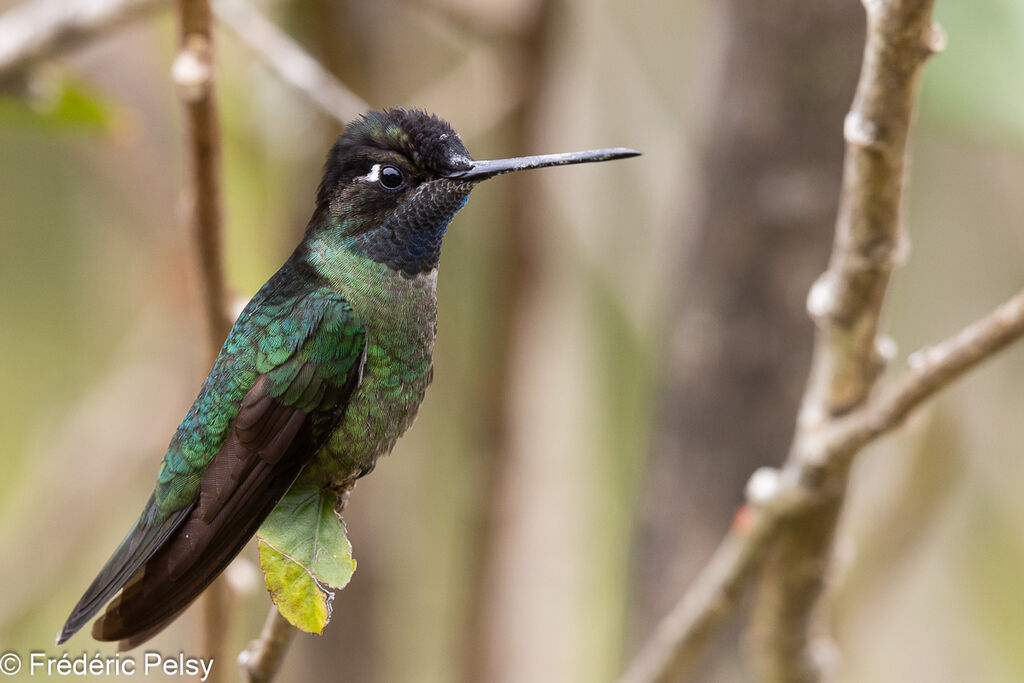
x=481, y=170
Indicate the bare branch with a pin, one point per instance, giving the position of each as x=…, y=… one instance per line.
x=780, y=500
x=193, y=73
x=261, y=660
x=35, y=30
x=682, y=634
x=846, y=303
x=797, y=508
x=218, y=605
x=293, y=64
x=41, y=29
x=930, y=370
x=847, y=299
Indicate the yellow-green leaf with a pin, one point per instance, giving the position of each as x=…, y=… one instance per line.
x=304, y=553
x=299, y=598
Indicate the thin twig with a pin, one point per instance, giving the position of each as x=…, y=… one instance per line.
x=261, y=660
x=778, y=500
x=291, y=62
x=217, y=607
x=193, y=73
x=680, y=637
x=36, y=30
x=847, y=300
x=930, y=370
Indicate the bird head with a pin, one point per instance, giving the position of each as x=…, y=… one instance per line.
x=395, y=178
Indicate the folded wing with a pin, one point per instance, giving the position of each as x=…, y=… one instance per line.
x=298, y=394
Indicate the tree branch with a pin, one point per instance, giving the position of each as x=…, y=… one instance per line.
x=847, y=300
x=261, y=660
x=681, y=636
x=292, y=63
x=40, y=29
x=930, y=370
x=846, y=303
x=193, y=73
x=794, y=512
x=778, y=501
x=35, y=30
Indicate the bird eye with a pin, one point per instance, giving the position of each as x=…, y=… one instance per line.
x=391, y=178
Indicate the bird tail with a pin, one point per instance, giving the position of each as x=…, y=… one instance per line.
x=141, y=543
x=214, y=532
x=162, y=589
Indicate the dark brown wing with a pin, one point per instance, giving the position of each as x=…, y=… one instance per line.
x=264, y=452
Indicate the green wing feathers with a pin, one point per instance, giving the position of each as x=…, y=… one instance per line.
x=276, y=338
x=282, y=378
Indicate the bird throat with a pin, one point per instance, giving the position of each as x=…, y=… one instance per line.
x=409, y=240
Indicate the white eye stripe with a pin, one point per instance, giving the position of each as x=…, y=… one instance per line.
x=373, y=176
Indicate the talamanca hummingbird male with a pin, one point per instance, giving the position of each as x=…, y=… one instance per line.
x=322, y=372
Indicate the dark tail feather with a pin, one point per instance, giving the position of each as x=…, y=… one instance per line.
x=155, y=596
x=138, y=546
x=140, y=638
x=161, y=591
x=215, y=532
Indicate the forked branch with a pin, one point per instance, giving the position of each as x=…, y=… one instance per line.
x=788, y=528
x=846, y=304
x=777, y=498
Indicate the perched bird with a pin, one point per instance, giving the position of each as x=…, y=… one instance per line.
x=323, y=370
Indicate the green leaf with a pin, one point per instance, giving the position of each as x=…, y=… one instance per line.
x=304, y=554
x=60, y=104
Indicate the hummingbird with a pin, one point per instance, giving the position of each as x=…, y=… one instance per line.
x=324, y=369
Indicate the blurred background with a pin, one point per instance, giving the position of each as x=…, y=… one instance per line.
x=619, y=345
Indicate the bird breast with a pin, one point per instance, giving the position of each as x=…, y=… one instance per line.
x=400, y=321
